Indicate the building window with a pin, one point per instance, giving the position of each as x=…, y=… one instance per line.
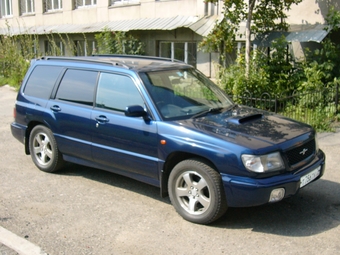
x=26, y=7
x=6, y=8
x=54, y=48
x=123, y=2
x=183, y=51
x=84, y=48
x=53, y=5
x=83, y=3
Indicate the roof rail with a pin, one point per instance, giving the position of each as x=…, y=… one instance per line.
x=86, y=59
x=136, y=56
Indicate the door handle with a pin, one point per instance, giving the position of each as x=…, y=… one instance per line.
x=102, y=119
x=55, y=108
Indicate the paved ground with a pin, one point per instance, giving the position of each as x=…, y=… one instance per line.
x=81, y=210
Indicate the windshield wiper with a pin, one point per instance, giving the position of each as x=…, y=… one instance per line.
x=205, y=112
x=231, y=107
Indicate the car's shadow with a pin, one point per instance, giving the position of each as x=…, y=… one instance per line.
x=315, y=209
x=112, y=179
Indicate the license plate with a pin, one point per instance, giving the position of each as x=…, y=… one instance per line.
x=309, y=177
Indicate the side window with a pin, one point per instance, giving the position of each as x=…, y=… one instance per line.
x=116, y=92
x=78, y=86
x=41, y=81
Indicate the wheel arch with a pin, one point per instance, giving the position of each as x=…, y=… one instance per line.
x=29, y=129
x=172, y=160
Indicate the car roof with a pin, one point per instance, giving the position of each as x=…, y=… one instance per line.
x=132, y=62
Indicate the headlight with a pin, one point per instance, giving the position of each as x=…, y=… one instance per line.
x=264, y=163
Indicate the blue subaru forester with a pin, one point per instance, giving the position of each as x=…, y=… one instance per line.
x=164, y=123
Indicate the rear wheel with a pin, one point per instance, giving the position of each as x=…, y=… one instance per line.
x=196, y=191
x=44, y=150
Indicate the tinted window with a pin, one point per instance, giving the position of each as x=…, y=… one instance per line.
x=77, y=86
x=116, y=92
x=42, y=80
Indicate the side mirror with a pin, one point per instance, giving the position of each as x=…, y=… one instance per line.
x=136, y=111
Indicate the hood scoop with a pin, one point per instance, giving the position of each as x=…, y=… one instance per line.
x=245, y=119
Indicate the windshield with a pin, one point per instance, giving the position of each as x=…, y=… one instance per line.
x=180, y=94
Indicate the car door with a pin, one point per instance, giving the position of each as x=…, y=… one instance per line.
x=71, y=111
x=120, y=143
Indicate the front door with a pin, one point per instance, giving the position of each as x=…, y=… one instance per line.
x=124, y=144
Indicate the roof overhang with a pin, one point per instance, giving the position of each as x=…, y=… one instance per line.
x=200, y=25
x=297, y=33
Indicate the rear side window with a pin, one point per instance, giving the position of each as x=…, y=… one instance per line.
x=78, y=86
x=41, y=81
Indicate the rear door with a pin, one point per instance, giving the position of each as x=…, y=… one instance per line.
x=71, y=111
x=120, y=143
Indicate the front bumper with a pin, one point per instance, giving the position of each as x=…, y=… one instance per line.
x=245, y=191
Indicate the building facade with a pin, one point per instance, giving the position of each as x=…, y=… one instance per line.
x=168, y=28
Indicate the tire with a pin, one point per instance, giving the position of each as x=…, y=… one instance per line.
x=44, y=150
x=196, y=191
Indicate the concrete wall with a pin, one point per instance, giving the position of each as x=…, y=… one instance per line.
x=311, y=11
x=102, y=12
x=306, y=13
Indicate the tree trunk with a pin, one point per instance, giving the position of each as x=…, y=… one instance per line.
x=248, y=34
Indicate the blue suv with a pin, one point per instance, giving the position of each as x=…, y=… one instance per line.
x=164, y=123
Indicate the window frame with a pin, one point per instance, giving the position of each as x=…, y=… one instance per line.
x=185, y=50
x=6, y=8
x=74, y=90
x=124, y=2
x=127, y=88
x=53, y=8
x=83, y=47
x=24, y=6
x=49, y=49
x=83, y=4
x=42, y=80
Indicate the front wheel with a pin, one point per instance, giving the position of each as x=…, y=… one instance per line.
x=196, y=191
x=44, y=150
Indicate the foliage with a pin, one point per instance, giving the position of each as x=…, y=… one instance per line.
x=113, y=42
x=15, y=54
x=219, y=40
x=16, y=51
x=261, y=15
x=277, y=76
x=333, y=19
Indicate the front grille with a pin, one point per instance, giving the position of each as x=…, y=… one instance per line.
x=300, y=153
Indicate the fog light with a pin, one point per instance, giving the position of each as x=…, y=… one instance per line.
x=277, y=195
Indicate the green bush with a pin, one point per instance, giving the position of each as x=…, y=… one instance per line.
x=277, y=76
x=17, y=51
x=111, y=42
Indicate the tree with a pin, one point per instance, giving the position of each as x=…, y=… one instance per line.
x=260, y=16
x=116, y=42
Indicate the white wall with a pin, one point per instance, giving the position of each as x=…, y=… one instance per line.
x=311, y=11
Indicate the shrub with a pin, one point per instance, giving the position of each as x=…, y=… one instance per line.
x=111, y=42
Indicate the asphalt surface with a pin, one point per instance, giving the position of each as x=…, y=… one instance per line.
x=81, y=210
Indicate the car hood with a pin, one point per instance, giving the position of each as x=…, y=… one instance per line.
x=247, y=126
